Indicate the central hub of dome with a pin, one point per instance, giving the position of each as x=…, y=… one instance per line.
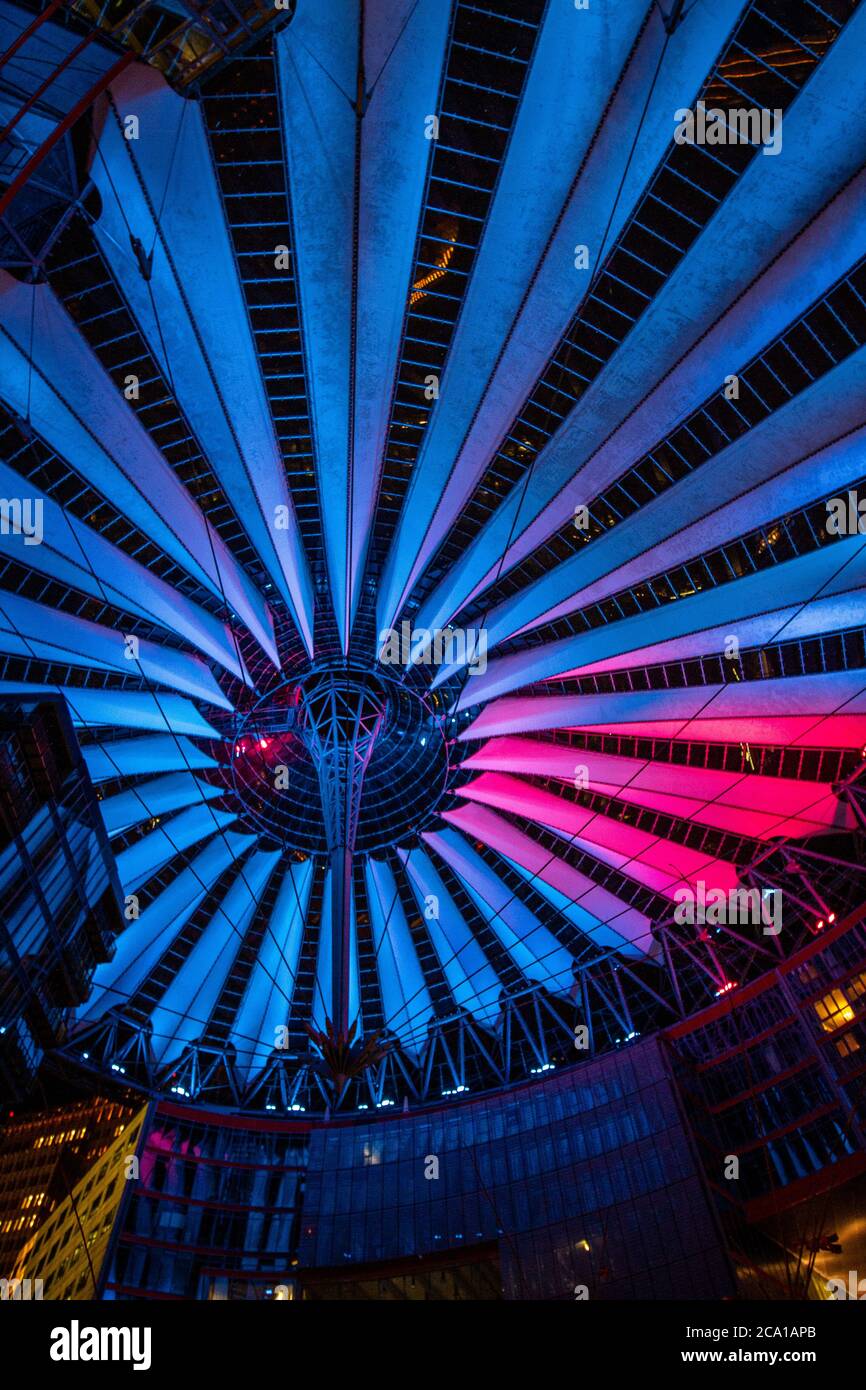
x=341, y=715
x=341, y=712
x=343, y=757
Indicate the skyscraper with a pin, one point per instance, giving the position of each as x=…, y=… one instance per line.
x=43, y=1153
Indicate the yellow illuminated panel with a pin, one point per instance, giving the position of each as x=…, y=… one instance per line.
x=834, y=1010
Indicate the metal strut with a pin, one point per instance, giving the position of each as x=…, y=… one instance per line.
x=342, y=713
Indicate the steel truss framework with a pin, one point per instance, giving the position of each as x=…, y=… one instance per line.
x=610, y=1005
x=420, y=399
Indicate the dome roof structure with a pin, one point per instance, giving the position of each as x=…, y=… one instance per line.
x=437, y=435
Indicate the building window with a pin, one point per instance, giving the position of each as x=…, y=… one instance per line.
x=834, y=1010
x=856, y=986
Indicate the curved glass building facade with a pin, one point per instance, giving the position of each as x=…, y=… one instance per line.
x=586, y=1179
x=668, y=1170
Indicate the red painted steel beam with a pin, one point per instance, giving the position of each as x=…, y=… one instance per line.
x=60, y=130
x=43, y=87
x=31, y=29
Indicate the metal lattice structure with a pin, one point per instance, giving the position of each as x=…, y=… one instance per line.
x=451, y=606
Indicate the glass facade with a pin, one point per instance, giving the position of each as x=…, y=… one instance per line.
x=58, y=883
x=41, y=1156
x=605, y=1180
x=586, y=1179
x=582, y=1182
x=67, y=1252
x=216, y=1207
x=776, y=1077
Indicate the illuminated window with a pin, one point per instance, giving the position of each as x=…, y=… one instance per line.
x=834, y=1010
x=856, y=987
x=845, y=1046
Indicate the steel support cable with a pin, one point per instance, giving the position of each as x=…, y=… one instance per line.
x=184, y=855
x=208, y=531
x=87, y=1026
x=156, y=219
x=817, y=723
x=529, y=473
x=569, y=841
x=150, y=687
x=527, y=478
